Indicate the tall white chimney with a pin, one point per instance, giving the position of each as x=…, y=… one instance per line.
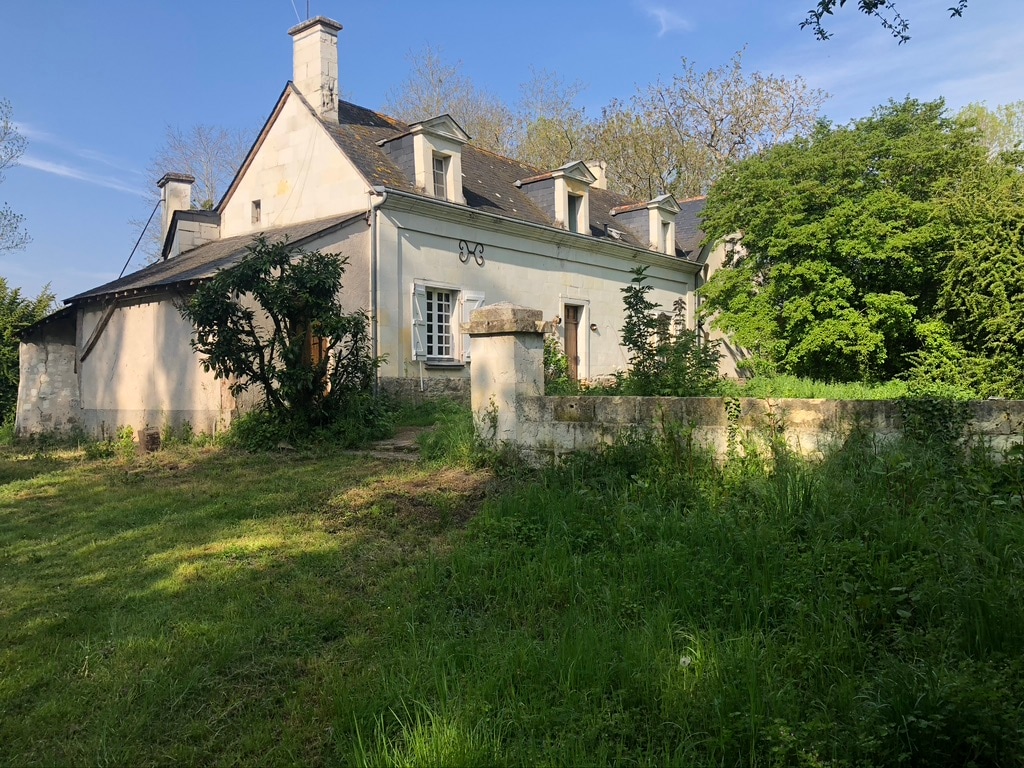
x=175, y=195
x=600, y=170
x=315, y=46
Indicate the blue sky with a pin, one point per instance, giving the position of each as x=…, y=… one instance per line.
x=94, y=83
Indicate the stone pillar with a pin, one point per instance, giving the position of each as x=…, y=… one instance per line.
x=508, y=363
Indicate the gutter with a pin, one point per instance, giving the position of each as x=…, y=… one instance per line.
x=613, y=248
x=378, y=196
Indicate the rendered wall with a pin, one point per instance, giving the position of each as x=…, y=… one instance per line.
x=298, y=174
x=537, y=273
x=48, y=399
x=730, y=364
x=142, y=372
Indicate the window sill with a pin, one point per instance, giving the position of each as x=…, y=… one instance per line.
x=444, y=364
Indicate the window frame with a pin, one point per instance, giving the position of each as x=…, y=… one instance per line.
x=443, y=186
x=574, y=212
x=425, y=322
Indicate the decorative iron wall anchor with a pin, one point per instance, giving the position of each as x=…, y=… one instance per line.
x=476, y=251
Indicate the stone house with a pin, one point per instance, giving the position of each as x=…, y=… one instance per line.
x=433, y=227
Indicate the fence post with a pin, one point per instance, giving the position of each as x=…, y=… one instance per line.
x=507, y=363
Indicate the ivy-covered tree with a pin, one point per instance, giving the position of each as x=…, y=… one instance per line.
x=16, y=313
x=274, y=321
x=844, y=242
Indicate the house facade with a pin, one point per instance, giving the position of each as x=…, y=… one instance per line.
x=432, y=227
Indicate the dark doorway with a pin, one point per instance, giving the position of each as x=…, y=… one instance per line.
x=572, y=339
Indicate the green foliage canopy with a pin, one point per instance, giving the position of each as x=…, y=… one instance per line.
x=16, y=313
x=259, y=322
x=845, y=240
x=982, y=298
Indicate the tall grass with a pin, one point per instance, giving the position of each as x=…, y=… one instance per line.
x=645, y=606
x=648, y=606
x=794, y=387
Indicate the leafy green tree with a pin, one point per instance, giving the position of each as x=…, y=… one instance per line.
x=274, y=321
x=16, y=313
x=662, y=362
x=982, y=296
x=844, y=242
x=1000, y=129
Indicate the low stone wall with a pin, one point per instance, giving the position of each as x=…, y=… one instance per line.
x=550, y=427
x=509, y=406
x=415, y=392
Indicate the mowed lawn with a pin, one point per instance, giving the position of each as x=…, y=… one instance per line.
x=202, y=605
x=646, y=607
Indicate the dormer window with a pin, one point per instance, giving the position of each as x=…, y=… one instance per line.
x=430, y=154
x=574, y=213
x=564, y=194
x=655, y=219
x=441, y=164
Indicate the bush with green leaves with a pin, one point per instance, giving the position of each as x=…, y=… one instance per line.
x=275, y=322
x=846, y=241
x=556, y=369
x=660, y=362
x=16, y=313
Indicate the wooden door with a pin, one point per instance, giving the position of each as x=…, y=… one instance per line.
x=572, y=343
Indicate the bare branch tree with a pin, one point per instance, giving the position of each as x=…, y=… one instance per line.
x=680, y=136
x=883, y=10
x=435, y=87
x=210, y=153
x=12, y=145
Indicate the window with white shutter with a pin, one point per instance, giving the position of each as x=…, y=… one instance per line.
x=470, y=300
x=436, y=315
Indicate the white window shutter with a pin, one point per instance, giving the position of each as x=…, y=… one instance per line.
x=470, y=300
x=419, y=322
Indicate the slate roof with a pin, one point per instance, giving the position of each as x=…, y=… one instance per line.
x=205, y=260
x=488, y=179
x=688, y=232
x=489, y=185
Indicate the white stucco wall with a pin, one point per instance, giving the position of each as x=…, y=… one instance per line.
x=142, y=371
x=540, y=274
x=733, y=356
x=298, y=174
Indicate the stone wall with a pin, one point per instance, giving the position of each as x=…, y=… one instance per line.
x=550, y=427
x=48, y=394
x=509, y=406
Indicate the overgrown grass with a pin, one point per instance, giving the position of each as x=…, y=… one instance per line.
x=644, y=607
x=791, y=386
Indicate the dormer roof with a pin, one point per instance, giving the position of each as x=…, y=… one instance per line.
x=491, y=182
x=444, y=126
x=665, y=203
x=577, y=171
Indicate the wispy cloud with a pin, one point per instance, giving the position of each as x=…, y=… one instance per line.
x=37, y=135
x=29, y=160
x=668, y=20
